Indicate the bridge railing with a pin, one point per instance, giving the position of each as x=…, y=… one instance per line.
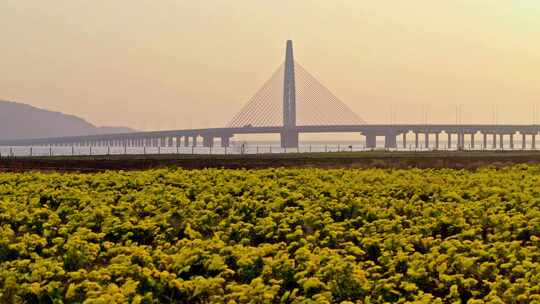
x=42, y=151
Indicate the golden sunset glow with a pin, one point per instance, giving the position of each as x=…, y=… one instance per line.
x=182, y=64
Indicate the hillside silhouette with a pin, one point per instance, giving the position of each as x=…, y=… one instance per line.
x=22, y=121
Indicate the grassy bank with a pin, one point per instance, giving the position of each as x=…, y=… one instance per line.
x=373, y=159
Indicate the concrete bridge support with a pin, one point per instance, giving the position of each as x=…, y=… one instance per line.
x=449, y=140
x=404, y=141
x=289, y=139
x=225, y=141
x=512, y=141
x=208, y=141
x=501, y=141
x=484, y=142
x=533, y=143
x=186, y=141
x=494, y=143
x=371, y=141
x=426, y=140
x=194, y=141
x=523, y=141
x=472, y=140
x=416, y=140
x=437, y=141
x=390, y=141
x=461, y=140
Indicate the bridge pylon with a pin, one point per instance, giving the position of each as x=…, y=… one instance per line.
x=289, y=135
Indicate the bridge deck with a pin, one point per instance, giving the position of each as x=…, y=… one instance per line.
x=366, y=129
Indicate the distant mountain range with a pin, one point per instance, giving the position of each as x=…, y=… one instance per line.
x=22, y=121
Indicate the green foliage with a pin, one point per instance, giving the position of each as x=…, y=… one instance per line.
x=271, y=236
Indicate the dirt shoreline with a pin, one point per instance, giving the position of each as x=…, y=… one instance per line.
x=455, y=160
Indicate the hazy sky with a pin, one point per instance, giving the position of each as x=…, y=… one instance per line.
x=179, y=64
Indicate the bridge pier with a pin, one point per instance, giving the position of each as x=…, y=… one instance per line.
x=225, y=140
x=437, y=141
x=289, y=139
x=494, y=143
x=390, y=141
x=484, y=143
x=194, y=141
x=404, y=140
x=533, y=144
x=512, y=141
x=523, y=141
x=472, y=140
x=371, y=140
x=208, y=141
x=426, y=140
x=416, y=140
x=449, y=140
x=501, y=142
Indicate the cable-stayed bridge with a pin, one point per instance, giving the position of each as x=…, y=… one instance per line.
x=293, y=102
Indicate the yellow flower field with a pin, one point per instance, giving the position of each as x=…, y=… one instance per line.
x=271, y=236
